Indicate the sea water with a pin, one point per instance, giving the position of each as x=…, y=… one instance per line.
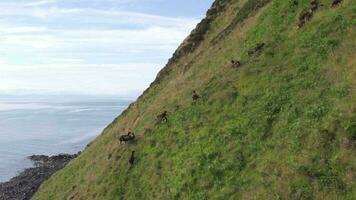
x=50, y=125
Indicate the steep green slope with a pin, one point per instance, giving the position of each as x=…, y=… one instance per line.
x=280, y=126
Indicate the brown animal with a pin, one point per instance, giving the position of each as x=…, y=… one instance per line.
x=163, y=117
x=336, y=3
x=308, y=14
x=314, y=5
x=128, y=137
x=258, y=48
x=304, y=17
x=195, y=96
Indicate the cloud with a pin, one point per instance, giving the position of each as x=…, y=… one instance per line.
x=21, y=29
x=78, y=47
x=113, y=79
x=39, y=3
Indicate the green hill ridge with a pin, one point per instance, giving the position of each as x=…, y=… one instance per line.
x=279, y=125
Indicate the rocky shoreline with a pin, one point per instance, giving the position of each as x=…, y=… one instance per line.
x=24, y=186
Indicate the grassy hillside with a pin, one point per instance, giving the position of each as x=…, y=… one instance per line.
x=280, y=126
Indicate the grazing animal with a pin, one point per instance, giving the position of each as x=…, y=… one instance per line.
x=304, y=17
x=132, y=158
x=235, y=64
x=258, y=48
x=335, y=3
x=128, y=137
x=314, y=5
x=195, y=96
x=307, y=15
x=163, y=117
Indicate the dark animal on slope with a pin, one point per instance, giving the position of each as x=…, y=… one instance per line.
x=195, y=96
x=163, y=117
x=132, y=158
x=235, y=64
x=308, y=14
x=314, y=5
x=304, y=17
x=128, y=137
x=335, y=3
x=258, y=48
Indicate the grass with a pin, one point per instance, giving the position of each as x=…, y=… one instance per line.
x=282, y=126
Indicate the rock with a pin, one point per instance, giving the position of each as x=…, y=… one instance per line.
x=194, y=39
x=24, y=186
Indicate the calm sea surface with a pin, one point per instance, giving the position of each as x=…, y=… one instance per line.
x=34, y=125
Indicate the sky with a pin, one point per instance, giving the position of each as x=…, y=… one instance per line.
x=90, y=47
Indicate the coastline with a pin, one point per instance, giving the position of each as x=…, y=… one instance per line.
x=50, y=125
x=24, y=185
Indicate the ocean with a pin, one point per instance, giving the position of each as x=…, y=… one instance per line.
x=49, y=126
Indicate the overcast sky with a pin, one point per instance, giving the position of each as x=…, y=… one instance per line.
x=111, y=47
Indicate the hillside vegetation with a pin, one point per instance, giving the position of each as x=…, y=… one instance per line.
x=282, y=125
